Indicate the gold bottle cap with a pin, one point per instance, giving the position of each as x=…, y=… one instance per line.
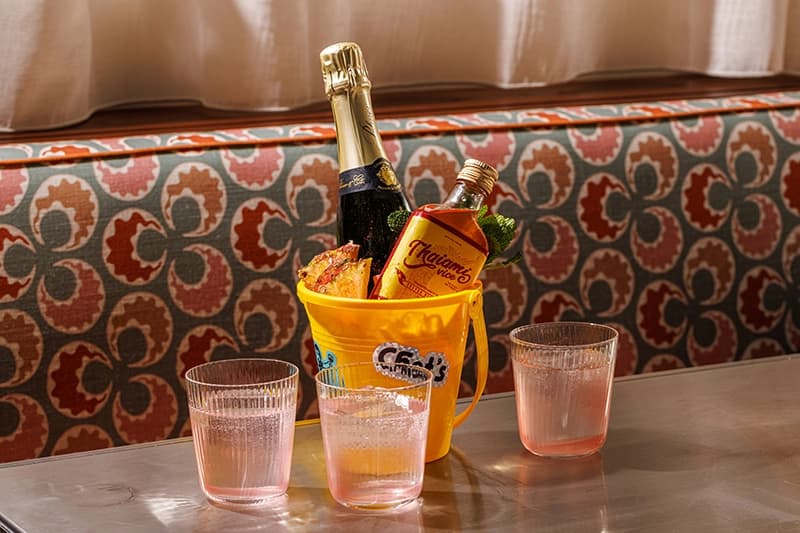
x=482, y=175
x=343, y=68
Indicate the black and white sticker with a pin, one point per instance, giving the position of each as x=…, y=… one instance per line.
x=393, y=352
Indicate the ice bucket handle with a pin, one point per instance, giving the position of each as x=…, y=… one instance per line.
x=482, y=353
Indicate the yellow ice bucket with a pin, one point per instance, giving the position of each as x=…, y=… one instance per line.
x=430, y=332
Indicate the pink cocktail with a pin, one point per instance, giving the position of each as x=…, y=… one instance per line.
x=563, y=375
x=374, y=429
x=242, y=413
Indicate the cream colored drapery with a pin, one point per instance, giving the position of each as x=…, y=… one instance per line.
x=63, y=59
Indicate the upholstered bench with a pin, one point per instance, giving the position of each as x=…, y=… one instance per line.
x=126, y=260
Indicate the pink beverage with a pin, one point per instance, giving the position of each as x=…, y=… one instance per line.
x=244, y=455
x=564, y=411
x=375, y=453
x=242, y=413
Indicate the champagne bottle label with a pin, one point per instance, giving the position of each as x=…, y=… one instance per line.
x=378, y=175
x=429, y=259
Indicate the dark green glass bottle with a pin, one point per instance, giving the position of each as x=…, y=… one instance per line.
x=368, y=186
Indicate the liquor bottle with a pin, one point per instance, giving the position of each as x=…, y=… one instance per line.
x=368, y=186
x=441, y=249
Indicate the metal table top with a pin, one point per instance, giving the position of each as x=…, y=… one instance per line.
x=705, y=449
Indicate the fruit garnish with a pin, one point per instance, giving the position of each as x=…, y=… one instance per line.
x=338, y=272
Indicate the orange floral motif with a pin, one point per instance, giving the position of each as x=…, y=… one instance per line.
x=73, y=195
x=552, y=159
x=29, y=437
x=316, y=172
x=68, y=150
x=150, y=315
x=254, y=168
x=558, y=262
x=722, y=349
x=652, y=317
x=275, y=301
x=209, y=294
x=13, y=184
x=755, y=316
x=592, y=203
x=197, y=181
x=713, y=255
x=760, y=241
x=695, y=198
x=661, y=362
x=19, y=332
x=156, y=421
x=119, y=247
x=790, y=184
x=82, y=438
x=247, y=239
x=752, y=137
x=81, y=310
x=627, y=353
x=509, y=283
x=658, y=151
x=65, y=384
x=198, y=346
x=436, y=163
x=12, y=287
x=661, y=254
x=611, y=267
x=701, y=138
x=552, y=306
x=599, y=147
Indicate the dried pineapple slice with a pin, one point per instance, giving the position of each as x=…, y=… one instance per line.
x=338, y=272
x=325, y=260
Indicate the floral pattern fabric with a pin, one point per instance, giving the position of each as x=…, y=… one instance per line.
x=126, y=261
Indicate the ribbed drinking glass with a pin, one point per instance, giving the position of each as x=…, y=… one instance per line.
x=242, y=413
x=374, y=427
x=563, y=374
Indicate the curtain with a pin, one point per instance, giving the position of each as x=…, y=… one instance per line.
x=64, y=59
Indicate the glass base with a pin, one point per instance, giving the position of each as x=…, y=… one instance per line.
x=377, y=495
x=262, y=497
x=382, y=506
x=577, y=455
x=566, y=449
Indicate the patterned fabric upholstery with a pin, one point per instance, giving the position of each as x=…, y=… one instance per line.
x=125, y=261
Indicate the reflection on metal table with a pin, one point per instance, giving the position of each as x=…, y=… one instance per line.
x=705, y=449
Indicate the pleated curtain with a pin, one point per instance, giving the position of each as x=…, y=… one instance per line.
x=64, y=59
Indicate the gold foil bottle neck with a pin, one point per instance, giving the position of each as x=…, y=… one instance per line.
x=343, y=68
x=479, y=173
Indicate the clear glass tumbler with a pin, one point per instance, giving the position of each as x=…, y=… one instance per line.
x=563, y=372
x=242, y=413
x=374, y=426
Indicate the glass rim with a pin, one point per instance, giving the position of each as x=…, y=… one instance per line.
x=614, y=335
x=293, y=373
x=410, y=386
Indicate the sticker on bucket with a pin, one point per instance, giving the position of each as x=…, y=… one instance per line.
x=392, y=352
x=328, y=362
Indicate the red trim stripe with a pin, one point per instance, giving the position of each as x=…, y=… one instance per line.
x=748, y=106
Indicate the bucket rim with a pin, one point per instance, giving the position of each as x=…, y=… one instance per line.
x=306, y=295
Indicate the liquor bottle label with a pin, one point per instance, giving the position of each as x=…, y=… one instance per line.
x=378, y=175
x=429, y=259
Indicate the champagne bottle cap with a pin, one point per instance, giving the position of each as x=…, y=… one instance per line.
x=343, y=68
x=481, y=174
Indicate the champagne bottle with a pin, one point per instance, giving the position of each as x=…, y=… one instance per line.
x=441, y=249
x=368, y=186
